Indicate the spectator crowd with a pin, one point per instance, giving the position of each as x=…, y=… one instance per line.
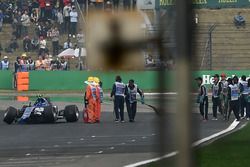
x=34, y=23
x=25, y=63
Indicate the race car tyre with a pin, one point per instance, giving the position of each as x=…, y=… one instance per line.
x=10, y=115
x=71, y=113
x=49, y=114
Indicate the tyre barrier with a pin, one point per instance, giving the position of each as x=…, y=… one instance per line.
x=22, y=98
x=22, y=81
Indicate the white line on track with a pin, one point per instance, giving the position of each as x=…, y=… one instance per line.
x=242, y=126
x=99, y=152
x=153, y=160
x=230, y=128
x=111, y=148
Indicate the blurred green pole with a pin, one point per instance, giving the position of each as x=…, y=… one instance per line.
x=183, y=117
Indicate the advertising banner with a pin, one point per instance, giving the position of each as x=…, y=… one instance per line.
x=208, y=78
x=209, y=3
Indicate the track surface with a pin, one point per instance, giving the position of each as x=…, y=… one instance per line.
x=77, y=144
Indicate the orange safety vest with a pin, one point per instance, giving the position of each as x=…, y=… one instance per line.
x=92, y=96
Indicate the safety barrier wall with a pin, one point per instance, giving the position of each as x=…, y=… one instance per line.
x=6, y=78
x=147, y=80
x=74, y=80
x=207, y=3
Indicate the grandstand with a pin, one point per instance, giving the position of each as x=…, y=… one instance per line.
x=6, y=35
x=230, y=45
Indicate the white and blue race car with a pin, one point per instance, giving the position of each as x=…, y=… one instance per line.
x=42, y=111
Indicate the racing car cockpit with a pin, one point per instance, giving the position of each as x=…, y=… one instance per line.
x=41, y=102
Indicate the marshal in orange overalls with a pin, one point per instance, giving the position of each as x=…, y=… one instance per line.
x=91, y=98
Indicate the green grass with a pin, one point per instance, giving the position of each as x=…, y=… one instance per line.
x=170, y=162
x=230, y=151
